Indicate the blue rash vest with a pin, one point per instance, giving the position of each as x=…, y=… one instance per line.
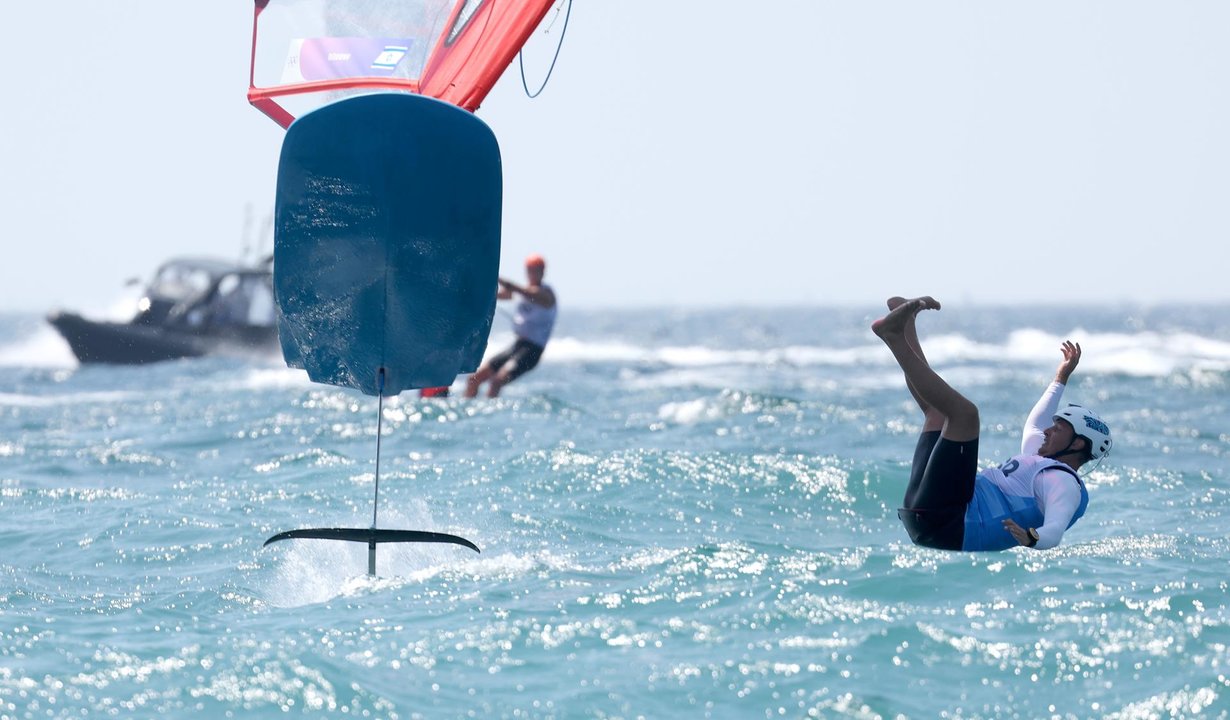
x=1010, y=491
x=1034, y=491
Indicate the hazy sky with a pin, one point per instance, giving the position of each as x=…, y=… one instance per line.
x=685, y=153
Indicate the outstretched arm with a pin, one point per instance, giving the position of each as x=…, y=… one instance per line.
x=536, y=294
x=1040, y=417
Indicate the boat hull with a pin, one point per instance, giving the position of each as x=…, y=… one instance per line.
x=94, y=341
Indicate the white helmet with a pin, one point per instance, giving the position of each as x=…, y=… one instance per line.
x=1088, y=425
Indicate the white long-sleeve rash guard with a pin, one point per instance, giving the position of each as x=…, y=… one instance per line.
x=1057, y=492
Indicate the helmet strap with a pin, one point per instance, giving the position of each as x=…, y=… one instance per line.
x=1067, y=450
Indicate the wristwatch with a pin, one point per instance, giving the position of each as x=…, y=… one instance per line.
x=1033, y=537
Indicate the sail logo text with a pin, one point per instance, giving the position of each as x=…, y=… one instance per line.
x=339, y=57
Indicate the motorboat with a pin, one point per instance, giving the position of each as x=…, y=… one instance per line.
x=193, y=307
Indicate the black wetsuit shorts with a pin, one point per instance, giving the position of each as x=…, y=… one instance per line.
x=941, y=487
x=524, y=356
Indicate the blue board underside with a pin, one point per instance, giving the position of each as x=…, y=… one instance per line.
x=387, y=242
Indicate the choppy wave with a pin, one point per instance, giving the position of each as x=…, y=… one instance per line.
x=698, y=521
x=1144, y=354
x=1147, y=354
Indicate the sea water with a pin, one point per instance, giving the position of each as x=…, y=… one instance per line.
x=681, y=514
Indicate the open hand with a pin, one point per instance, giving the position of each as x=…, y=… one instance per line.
x=1019, y=533
x=1071, y=358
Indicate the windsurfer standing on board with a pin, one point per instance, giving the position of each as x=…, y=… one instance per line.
x=532, y=320
x=1032, y=498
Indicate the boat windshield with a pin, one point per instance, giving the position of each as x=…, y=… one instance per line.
x=243, y=299
x=177, y=282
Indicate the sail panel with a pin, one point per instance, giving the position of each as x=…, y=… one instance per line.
x=306, y=53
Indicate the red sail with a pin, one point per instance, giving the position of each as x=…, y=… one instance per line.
x=308, y=52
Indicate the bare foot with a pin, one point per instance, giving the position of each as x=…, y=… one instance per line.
x=931, y=303
x=900, y=312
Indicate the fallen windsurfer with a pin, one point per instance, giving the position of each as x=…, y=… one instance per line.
x=533, y=321
x=1029, y=500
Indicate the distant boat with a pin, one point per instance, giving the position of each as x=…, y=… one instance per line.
x=193, y=307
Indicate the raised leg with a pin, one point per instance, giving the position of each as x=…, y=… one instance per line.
x=944, y=408
x=932, y=418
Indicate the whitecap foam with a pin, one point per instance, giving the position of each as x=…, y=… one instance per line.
x=691, y=412
x=43, y=349
x=35, y=401
x=566, y=349
x=270, y=378
x=1145, y=354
